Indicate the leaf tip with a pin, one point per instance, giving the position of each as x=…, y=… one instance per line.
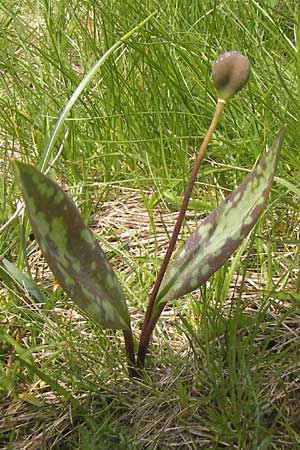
x=283, y=129
x=281, y=135
x=18, y=166
x=15, y=168
x=13, y=163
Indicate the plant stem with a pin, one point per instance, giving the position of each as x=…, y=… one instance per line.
x=129, y=347
x=150, y=320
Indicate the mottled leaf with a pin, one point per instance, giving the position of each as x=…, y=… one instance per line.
x=71, y=250
x=220, y=233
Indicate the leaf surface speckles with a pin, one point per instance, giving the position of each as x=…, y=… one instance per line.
x=213, y=242
x=71, y=250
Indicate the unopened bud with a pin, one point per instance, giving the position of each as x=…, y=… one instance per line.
x=230, y=73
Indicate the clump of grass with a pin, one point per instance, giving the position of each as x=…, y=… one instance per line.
x=234, y=374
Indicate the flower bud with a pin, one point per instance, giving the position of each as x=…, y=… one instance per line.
x=230, y=73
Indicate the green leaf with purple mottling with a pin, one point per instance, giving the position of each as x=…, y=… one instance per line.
x=71, y=250
x=213, y=242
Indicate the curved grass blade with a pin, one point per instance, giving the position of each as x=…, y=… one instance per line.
x=71, y=250
x=11, y=273
x=82, y=85
x=222, y=231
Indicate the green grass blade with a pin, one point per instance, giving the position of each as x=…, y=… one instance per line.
x=213, y=242
x=290, y=186
x=82, y=85
x=71, y=250
x=10, y=271
x=26, y=359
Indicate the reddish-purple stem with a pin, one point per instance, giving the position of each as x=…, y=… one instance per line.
x=151, y=319
x=129, y=347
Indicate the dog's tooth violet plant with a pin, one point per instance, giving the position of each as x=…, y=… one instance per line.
x=81, y=267
x=230, y=73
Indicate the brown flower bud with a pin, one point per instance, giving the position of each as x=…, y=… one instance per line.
x=230, y=73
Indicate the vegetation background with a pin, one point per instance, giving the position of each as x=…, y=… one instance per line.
x=224, y=368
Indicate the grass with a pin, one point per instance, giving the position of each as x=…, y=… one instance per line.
x=224, y=365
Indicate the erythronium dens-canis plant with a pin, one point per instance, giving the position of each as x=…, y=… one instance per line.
x=81, y=267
